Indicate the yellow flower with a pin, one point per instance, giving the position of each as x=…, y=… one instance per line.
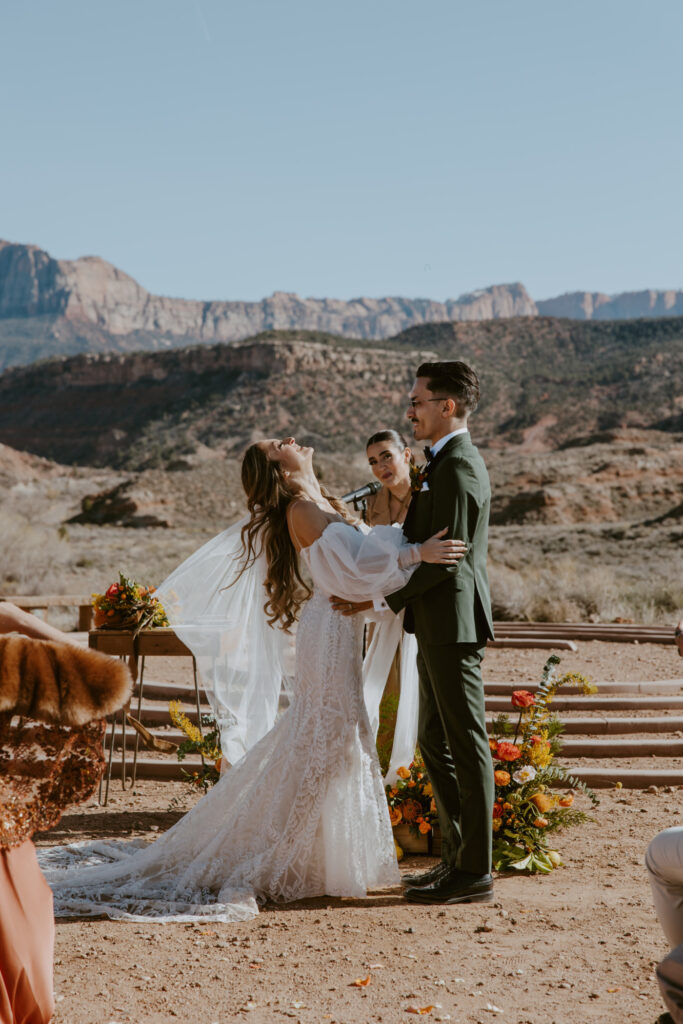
x=427, y=790
x=181, y=721
x=497, y=823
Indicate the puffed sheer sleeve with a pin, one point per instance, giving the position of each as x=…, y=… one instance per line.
x=356, y=565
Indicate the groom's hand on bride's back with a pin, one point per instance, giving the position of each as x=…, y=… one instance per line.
x=345, y=607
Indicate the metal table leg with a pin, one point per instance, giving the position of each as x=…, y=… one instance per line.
x=141, y=683
x=112, y=737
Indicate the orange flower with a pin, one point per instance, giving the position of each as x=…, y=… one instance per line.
x=411, y=810
x=566, y=801
x=493, y=744
x=501, y=778
x=540, y=822
x=508, y=751
x=425, y=827
x=217, y=764
x=403, y=773
x=395, y=816
x=522, y=699
x=543, y=801
x=411, y=783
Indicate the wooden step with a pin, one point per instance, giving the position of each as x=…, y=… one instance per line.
x=600, y=747
x=544, y=643
x=580, y=702
x=630, y=778
x=169, y=769
x=155, y=689
x=616, y=726
x=652, y=687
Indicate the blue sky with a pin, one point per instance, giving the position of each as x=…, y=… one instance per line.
x=226, y=150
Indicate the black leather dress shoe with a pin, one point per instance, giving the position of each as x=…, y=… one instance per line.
x=425, y=877
x=453, y=886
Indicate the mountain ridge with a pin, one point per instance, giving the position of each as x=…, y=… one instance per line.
x=50, y=306
x=544, y=383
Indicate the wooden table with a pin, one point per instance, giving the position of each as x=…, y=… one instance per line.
x=161, y=642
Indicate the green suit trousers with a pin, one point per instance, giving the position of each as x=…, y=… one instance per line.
x=454, y=744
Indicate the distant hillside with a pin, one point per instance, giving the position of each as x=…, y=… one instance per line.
x=545, y=383
x=50, y=307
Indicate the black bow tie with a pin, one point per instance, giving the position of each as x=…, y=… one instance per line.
x=428, y=453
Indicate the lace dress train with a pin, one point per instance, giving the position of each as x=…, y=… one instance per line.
x=302, y=814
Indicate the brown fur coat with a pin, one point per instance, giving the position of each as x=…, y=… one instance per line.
x=57, y=683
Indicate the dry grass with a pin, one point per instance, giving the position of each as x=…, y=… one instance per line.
x=33, y=558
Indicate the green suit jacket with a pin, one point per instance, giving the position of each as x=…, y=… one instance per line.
x=450, y=604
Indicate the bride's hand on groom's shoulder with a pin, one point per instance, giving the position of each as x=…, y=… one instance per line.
x=344, y=607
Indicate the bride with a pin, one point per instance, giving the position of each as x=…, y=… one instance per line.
x=303, y=813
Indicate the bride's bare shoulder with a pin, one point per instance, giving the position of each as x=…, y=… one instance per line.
x=306, y=521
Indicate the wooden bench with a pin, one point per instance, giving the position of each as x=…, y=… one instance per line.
x=43, y=602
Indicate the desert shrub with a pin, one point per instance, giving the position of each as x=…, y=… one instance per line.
x=568, y=591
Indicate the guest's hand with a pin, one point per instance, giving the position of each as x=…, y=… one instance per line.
x=340, y=604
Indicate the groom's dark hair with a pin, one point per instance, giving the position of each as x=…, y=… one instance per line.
x=454, y=380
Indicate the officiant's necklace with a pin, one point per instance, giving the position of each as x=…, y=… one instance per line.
x=402, y=504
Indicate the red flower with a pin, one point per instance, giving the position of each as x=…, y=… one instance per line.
x=522, y=699
x=113, y=590
x=497, y=811
x=508, y=751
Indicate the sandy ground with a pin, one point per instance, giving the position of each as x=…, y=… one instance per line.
x=574, y=947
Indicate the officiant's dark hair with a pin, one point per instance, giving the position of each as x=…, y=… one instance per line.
x=454, y=380
x=393, y=437
x=398, y=440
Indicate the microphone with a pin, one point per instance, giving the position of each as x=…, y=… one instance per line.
x=362, y=492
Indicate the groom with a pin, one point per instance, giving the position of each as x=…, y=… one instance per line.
x=449, y=610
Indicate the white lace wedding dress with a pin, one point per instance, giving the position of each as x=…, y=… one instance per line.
x=302, y=814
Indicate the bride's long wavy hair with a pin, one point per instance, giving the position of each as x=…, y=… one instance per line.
x=268, y=495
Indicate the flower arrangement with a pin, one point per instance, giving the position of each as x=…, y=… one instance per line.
x=411, y=800
x=208, y=745
x=128, y=605
x=525, y=811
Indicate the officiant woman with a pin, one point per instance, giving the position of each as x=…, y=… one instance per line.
x=390, y=459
